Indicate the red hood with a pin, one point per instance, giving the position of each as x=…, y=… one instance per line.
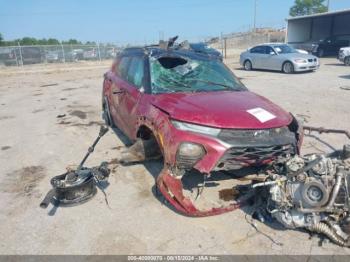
x=221, y=109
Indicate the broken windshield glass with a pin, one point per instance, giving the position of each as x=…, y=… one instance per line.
x=184, y=74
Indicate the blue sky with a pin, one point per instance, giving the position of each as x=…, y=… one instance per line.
x=138, y=21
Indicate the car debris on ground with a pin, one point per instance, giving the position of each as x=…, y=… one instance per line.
x=78, y=185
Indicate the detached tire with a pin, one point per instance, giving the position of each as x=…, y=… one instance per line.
x=288, y=68
x=347, y=61
x=247, y=65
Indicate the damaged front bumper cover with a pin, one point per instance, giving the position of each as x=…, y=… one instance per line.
x=171, y=188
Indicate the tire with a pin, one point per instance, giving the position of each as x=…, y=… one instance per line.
x=106, y=114
x=320, y=53
x=248, y=65
x=288, y=68
x=347, y=61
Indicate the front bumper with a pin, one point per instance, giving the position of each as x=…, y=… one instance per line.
x=309, y=66
x=225, y=155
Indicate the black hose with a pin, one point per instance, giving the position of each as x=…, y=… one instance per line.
x=323, y=228
x=46, y=201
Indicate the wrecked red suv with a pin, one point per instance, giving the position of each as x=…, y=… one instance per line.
x=204, y=122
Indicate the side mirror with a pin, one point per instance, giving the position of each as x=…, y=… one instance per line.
x=272, y=53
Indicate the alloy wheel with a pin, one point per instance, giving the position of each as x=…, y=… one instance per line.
x=248, y=65
x=288, y=68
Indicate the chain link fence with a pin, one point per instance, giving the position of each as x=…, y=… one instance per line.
x=231, y=45
x=25, y=55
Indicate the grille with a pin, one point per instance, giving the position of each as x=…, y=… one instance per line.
x=237, y=133
x=257, y=137
x=236, y=158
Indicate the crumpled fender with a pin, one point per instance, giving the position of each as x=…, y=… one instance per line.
x=172, y=190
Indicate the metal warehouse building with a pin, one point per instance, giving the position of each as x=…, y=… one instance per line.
x=312, y=28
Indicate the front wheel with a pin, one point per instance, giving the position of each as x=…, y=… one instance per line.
x=347, y=61
x=288, y=68
x=248, y=65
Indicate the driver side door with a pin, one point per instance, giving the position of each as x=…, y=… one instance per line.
x=117, y=93
x=133, y=92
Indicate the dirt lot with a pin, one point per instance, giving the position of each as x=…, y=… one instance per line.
x=36, y=145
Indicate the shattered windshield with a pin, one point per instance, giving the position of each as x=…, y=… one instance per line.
x=184, y=74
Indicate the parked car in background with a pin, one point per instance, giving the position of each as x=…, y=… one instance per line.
x=54, y=57
x=344, y=55
x=197, y=113
x=7, y=56
x=331, y=45
x=74, y=55
x=279, y=57
x=111, y=53
x=24, y=55
x=204, y=48
x=90, y=54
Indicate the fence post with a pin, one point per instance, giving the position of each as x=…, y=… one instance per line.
x=99, y=53
x=64, y=56
x=225, y=39
x=20, y=53
x=222, y=44
x=14, y=49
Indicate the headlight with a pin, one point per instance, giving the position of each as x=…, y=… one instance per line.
x=188, y=154
x=191, y=150
x=300, y=61
x=196, y=128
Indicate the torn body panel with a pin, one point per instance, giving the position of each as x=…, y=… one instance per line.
x=172, y=189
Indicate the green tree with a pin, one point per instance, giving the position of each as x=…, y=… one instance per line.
x=53, y=41
x=307, y=7
x=90, y=43
x=1, y=40
x=71, y=42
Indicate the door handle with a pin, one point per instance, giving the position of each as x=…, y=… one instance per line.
x=118, y=92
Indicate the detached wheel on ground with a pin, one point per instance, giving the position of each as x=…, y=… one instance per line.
x=347, y=61
x=248, y=65
x=288, y=68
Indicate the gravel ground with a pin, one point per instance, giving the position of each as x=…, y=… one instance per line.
x=36, y=145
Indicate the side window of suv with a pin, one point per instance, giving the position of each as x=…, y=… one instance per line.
x=123, y=67
x=258, y=50
x=136, y=71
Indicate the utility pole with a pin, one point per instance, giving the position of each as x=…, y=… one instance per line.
x=254, y=25
x=328, y=5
